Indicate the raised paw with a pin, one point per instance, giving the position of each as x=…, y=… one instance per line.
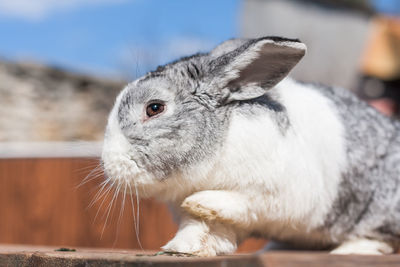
x=221, y=206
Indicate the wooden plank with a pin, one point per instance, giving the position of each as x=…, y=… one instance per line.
x=40, y=204
x=48, y=256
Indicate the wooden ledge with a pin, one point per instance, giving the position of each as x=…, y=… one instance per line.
x=11, y=255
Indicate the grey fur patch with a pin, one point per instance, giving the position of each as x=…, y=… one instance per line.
x=268, y=103
x=160, y=71
x=369, y=198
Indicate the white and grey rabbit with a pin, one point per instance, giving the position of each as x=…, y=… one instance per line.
x=239, y=150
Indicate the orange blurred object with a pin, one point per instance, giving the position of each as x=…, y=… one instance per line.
x=382, y=55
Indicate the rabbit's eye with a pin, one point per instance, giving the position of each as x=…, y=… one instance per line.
x=154, y=109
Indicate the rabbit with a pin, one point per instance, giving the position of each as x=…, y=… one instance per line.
x=238, y=149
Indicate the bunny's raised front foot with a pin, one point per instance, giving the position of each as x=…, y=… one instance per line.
x=220, y=206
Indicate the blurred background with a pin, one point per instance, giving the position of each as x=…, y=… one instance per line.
x=63, y=62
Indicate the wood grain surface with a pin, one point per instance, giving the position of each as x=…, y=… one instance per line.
x=51, y=256
x=41, y=204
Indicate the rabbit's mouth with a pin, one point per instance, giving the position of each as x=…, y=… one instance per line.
x=123, y=171
x=121, y=162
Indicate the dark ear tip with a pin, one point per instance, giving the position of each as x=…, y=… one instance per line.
x=279, y=39
x=294, y=45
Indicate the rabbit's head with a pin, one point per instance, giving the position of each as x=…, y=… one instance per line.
x=176, y=117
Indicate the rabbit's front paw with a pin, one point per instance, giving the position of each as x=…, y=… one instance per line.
x=200, y=239
x=197, y=246
x=217, y=205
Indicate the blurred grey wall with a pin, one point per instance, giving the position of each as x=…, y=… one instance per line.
x=335, y=37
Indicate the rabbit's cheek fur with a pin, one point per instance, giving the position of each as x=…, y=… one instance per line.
x=119, y=158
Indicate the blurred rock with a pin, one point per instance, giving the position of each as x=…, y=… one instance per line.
x=41, y=103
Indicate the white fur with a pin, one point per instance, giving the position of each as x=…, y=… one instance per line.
x=363, y=246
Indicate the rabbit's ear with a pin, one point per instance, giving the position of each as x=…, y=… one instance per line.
x=257, y=65
x=228, y=46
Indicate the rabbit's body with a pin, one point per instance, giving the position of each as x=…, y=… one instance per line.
x=368, y=200
x=298, y=163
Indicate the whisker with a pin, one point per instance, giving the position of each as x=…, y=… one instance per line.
x=92, y=175
x=133, y=206
x=100, y=193
x=109, y=208
x=134, y=216
x=121, y=212
x=87, y=167
x=137, y=216
x=94, y=165
x=102, y=202
x=111, y=203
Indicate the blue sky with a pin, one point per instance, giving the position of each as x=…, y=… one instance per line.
x=391, y=7
x=107, y=37
x=118, y=37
